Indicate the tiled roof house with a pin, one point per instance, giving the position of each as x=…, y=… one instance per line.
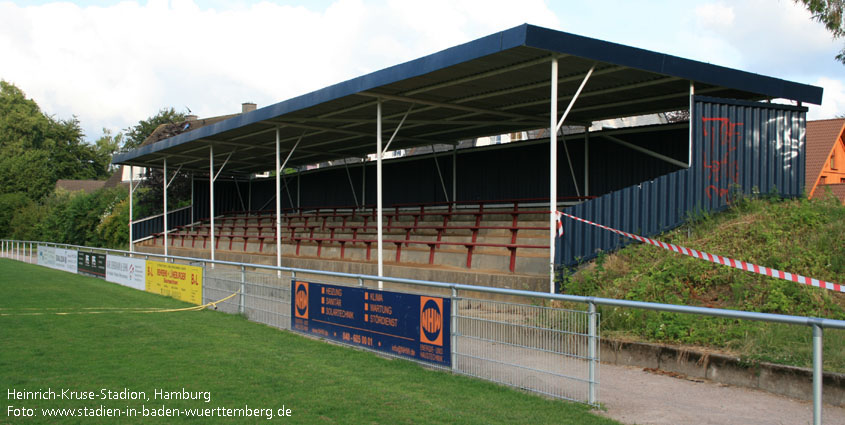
x=825, y=165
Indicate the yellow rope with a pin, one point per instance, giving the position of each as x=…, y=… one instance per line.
x=127, y=310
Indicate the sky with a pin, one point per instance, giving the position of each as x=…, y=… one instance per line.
x=113, y=63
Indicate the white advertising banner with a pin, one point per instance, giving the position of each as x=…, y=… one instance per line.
x=47, y=256
x=66, y=260
x=126, y=271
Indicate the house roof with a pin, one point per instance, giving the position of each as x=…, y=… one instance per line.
x=838, y=190
x=494, y=85
x=821, y=139
x=88, y=186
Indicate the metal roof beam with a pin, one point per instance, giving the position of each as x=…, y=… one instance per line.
x=603, y=91
x=648, y=152
x=481, y=75
x=452, y=106
x=538, y=85
x=642, y=100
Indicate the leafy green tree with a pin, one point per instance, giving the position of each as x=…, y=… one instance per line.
x=105, y=147
x=22, y=125
x=37, y=149
x=150, y=195
x=28, y=172
x=829, y=13
x=9, y=204
x=136, y=134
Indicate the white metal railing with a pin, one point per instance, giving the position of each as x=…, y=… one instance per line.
x=275, y=302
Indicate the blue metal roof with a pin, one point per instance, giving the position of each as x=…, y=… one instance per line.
x=493, y=85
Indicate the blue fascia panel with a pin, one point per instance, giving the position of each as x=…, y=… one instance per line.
x=523, y=35
x=632, y=57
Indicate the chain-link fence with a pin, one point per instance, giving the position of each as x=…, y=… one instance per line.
x=541, y=349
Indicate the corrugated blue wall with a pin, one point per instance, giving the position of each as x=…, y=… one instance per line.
x=509, y=171
x=737, y=146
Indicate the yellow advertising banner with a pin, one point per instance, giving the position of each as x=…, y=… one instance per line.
x=175, y=280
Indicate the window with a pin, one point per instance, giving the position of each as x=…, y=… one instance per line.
x=823, y=180
x=842, y=181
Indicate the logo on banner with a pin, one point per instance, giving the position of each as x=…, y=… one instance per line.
x=431, y=320
x=301, y=300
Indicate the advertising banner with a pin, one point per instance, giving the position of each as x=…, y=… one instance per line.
x=66, y=260
x=175, y=280
x=126, y=271
x=406, y=325
x=91, y=264
x=47, y=256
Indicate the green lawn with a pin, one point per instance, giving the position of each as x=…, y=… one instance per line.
x=239, y=362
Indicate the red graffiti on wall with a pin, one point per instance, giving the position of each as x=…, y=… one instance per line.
x=720, y=134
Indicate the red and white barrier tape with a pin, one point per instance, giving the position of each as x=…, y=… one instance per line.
x=718, y=259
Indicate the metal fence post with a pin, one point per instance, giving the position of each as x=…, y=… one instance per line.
x=30, y=252
x=241, y=300
x=453, y=327
x=592, y=353
x=818, y=335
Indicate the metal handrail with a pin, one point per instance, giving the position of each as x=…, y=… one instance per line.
x=161, y=215
x=816, y=323
x=672, y=308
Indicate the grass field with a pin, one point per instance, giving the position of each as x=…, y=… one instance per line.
x=239, y=363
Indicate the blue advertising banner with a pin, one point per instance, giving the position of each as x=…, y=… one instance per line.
x=407, y=325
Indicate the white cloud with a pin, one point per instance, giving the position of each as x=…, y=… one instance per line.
x=833, y=102
x=115, y=65
x=714, y=15
x=764, y=36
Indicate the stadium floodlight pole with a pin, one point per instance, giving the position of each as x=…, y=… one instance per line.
x=379, y=154
x=552, y=173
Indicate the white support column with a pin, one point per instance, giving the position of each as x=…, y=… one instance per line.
x=211, y=197
x=131, y=189
x=552, y=174
x=278, y=207
x=379, y=154
x=164, y=182
x=364, y=183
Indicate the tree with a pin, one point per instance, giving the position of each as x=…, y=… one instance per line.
x=829, y=13
x=149, y=199
x=22, y=125
x=105, y=147
x=37, y=149
x=136, y=134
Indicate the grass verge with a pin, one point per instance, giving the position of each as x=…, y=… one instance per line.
x=239, y=363
x=798, y=236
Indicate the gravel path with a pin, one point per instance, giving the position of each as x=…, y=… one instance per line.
x=633, y=396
